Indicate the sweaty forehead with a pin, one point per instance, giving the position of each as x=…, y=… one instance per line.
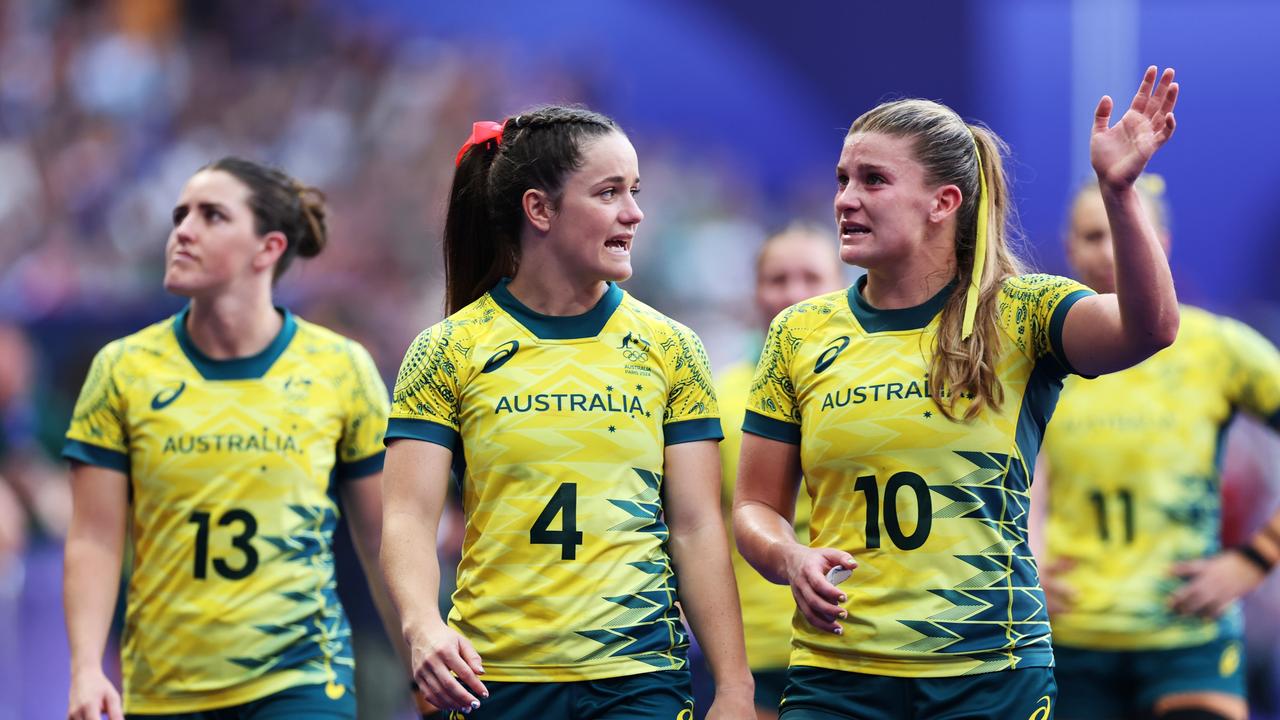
x=873, y=148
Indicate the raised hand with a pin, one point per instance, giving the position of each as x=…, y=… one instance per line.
x=1120, y=153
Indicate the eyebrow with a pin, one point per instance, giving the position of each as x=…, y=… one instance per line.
x=203, y=206
x=864, y=166
x=615, y=179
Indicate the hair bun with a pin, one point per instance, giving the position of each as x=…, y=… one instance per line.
x=314, y=234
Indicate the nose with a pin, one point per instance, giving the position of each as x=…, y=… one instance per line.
x=184, y=231
x=847, y=198
x=631, y=213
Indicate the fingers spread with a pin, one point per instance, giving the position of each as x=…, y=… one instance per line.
x=1170, y=98
x=1143, y=96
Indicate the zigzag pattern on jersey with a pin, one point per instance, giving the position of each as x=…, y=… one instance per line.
x=1004, y=591
x=648, y=625
x=319, y=637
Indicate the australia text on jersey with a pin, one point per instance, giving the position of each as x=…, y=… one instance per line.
x=881, y=391
x=266, y=441
x=608, y=401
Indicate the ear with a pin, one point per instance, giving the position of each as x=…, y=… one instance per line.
x=946, y=201
x=538, y=209
x=274, y=244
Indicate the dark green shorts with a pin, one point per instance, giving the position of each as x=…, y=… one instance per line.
x=295, y=703
x=1100, y=684
x=818, y=694
x=769, y=687
x=661, y=695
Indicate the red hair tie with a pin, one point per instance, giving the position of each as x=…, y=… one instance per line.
x=481, y=132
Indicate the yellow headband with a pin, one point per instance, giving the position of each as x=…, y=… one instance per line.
x=979, y=249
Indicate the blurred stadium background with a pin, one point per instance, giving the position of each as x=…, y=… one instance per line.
x=737, y=109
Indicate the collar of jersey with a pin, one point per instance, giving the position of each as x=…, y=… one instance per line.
x=246, y=368
x=913, y=318
x=559, y=327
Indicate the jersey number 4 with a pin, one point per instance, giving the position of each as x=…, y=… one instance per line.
x=565, y=504
x=248, y=528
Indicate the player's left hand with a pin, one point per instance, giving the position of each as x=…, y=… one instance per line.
x=1214, y=583
x=1120, y=153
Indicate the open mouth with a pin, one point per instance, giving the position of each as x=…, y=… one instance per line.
x=620, y=245
x=853, y=229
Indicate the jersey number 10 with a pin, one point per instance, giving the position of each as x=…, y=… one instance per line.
x=892, y=525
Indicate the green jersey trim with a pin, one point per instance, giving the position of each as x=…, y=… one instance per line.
x=874, y=320
x=557, y=327
x=96, y=456
x=426, y=430
x=1057, y=320
x=1038, y=402
x=246, y=368
x=765, y=426
x=1220, y=441
x=683, y=431
x=360, y=468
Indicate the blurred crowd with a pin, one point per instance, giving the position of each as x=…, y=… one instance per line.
x=107, y=107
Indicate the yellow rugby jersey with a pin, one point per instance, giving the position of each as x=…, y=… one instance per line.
x=766, y=608
x=558, y=427
x=934, y=511
x=231, y=466
x=1134, y=461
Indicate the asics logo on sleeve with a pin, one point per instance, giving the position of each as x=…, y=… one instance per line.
x=828, y=356
x=165, y=398
x=506, y=351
